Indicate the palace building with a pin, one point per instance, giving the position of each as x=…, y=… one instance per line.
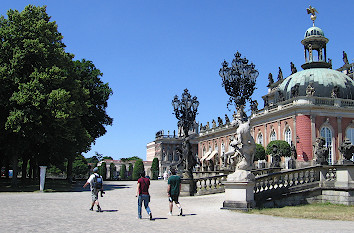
x=317, y=101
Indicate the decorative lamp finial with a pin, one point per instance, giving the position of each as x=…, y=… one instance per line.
x=313, y=12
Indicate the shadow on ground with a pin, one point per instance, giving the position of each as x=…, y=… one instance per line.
x=53, y=185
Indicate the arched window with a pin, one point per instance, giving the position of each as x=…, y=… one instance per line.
x=273, y=136
x=350, y=135
x=287, y=135
x=260, y=139
x=326, y=133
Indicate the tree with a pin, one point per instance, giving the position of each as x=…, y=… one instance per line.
x=260, y=153
x=138, y=168
x=130, y=158
x=283, y=148
x=80, y=167
x=155, y=168
x=123, y=171
x=52, y=108
x=112, y=170
x=130, y=171
x=107, y=157
x=93, y=159
x=103, y=170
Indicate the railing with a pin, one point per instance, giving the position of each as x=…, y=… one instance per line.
x=280, y=183
x=265, y=171
x=210, y=185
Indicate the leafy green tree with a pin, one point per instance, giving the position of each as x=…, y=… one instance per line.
x=130, y=171
x=260, y=153
x=52, y=108
x=93, y=159
x=103, y=170
x=123, y=172
x=107, y=157
x=130, y=158
x=283, y=148
x=80, y=167
x=138, y=168
x=112, y=170
x=155, y=168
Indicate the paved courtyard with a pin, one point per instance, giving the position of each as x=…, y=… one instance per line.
x=69, y=212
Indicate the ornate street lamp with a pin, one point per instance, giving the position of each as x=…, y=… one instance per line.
x=239, y=82
x=186, y=111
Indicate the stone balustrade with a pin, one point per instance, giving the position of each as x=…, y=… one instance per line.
x=210, y=185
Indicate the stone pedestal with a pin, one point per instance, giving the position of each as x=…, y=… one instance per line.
x=42, y=177
x=239, y=195
x=187, y=187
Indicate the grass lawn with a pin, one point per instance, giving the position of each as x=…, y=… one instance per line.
x=313, y=211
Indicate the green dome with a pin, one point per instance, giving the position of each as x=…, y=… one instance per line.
x=323, y=80
x=314, y=31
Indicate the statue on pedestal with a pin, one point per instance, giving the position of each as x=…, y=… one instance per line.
x=276, y=157
x=245, y=148
x=320, y=152
x=347, y=150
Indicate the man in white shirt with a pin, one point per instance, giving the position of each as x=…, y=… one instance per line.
x=92, y=180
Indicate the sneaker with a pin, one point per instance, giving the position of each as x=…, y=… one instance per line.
x=99, y=209
x=150, y=216
x=170, y=213
x=180, y=212
x=91, y=208
x=138, y=217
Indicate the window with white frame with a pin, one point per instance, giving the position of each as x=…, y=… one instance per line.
x=260, y=139
x=287, y=135
x=350, y=135
x=273, y=136
x=326, y=133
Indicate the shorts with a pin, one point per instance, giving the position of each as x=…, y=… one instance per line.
x=174, y=198
x=94, y=195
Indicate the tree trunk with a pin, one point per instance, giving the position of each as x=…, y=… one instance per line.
x=24, y=167
x=7, y=168
x=30, y=172
x=14, y=182
x=69, y=170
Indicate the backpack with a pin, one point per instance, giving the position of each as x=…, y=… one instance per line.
x=97, y=182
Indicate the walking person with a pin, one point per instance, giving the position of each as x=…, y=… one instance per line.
x=142, y=192
x=173, y=191
x=96, y=185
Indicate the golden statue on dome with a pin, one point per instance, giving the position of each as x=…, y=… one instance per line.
x=313, y=12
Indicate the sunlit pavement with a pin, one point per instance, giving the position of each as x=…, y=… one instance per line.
x=69, y=212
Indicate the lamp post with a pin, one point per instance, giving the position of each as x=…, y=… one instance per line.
x=185, y=110
x=239, y=82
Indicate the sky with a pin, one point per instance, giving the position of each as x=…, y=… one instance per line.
x=150, y=51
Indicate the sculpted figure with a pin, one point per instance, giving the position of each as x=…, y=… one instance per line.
x=270, y=79
x=335, y=92
x=310, y=90
x=320, y=151
x=214, y=123
x=276, y=157
x=227, y=120
x=280, y=96
x=220, y=123
x=293, y=68
x=347, y=149
x=295, y=90
x=280, y=74
x=254, y=106
x=345, y=58
x=244, y=146
x=207, y=125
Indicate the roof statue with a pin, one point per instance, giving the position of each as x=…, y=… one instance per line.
x=313, y=12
